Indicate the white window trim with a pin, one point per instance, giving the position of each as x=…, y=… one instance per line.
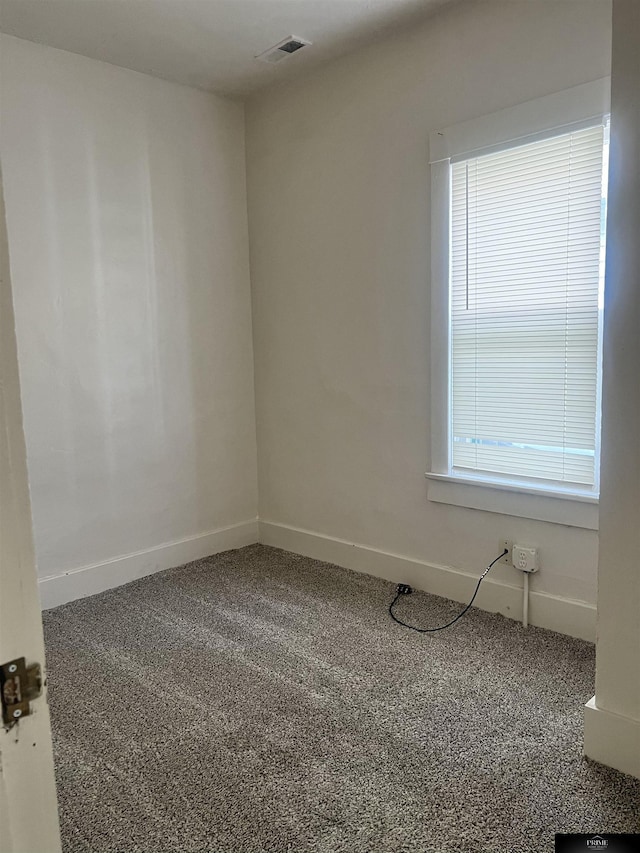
x=561, y=112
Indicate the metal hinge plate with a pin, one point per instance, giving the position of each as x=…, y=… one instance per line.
x=19, y=685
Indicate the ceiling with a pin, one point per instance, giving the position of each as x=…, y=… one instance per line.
x=209, y=44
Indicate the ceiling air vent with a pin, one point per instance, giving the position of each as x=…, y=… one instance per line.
x=284, y=48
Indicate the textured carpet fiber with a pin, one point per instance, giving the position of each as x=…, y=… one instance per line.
x=260, y=701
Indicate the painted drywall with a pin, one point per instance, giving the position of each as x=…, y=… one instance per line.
x=338, y=183
x=127, y=222
x=612, y=731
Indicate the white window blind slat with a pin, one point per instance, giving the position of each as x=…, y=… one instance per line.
x=526, y=277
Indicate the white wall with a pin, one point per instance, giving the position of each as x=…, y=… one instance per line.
x=612, y=723
x=126, y=213
x=339, y=221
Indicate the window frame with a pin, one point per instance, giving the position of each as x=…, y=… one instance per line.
x=581, y=106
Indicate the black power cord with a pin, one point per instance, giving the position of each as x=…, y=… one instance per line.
x=405, y=589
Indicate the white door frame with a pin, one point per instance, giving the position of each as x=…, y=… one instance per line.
x=28, y=807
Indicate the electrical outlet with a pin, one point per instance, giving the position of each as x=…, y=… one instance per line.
x=525, y=559
x=508, y=544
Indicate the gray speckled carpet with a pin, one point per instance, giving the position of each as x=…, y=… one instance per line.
x=260, y=701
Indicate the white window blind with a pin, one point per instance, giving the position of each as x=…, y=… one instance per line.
x=526, y=276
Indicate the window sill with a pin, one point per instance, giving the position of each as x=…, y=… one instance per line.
x=572, y=510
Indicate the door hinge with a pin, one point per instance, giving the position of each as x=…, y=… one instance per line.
x=19, y=685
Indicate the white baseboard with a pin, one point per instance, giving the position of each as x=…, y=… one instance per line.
x=575, y=618
x=89, y=580
x=612, y=739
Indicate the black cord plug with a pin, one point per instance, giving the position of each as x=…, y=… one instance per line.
x=405, y=589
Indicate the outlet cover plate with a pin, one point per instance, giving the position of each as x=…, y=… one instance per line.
x=506, y=560
x=525, y=559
